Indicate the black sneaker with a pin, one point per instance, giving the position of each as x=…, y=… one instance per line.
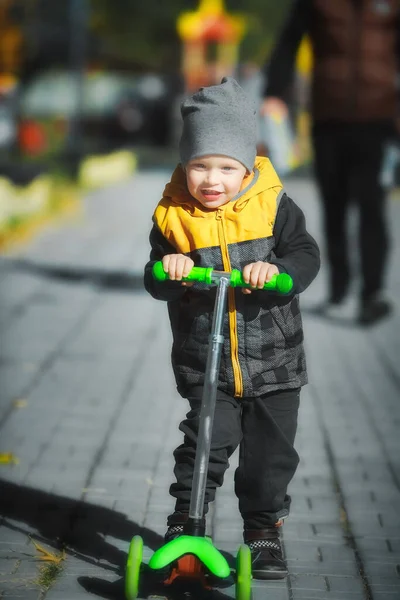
x=374, y=309
x=266, y=553
x=173, y=532
x=176, y=525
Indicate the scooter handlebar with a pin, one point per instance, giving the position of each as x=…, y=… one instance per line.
x=281, y=283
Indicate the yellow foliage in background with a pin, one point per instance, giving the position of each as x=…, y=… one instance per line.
x=21, y=202
x=100, y=171
x=24, y=210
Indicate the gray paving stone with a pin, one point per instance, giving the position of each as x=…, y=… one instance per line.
x=306, y=557
x=26, y=572
x=309, y=583
x=8, y=535
x=270, y=589
x=345, y=585
x=317, y=595
x=68, y=585
x=325, y=569
x=25, y=593
x=386, y=594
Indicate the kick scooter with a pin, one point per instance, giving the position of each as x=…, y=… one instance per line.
x=192, y=554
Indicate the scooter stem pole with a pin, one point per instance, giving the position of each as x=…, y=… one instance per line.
x=196, y=508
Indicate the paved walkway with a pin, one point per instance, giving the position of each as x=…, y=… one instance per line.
x=88, y=406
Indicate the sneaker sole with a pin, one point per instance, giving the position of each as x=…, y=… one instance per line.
x=268, y=575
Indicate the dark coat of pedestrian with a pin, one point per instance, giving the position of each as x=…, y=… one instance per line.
x=354, y=104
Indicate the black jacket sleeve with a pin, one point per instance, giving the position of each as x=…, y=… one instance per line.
x=296, y=251
x=161, y=290
x=280, y=68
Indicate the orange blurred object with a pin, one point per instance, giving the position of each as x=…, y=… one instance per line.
x=32, y=138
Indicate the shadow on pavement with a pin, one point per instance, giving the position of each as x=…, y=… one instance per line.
x=81, y=529
x=346, y=321
x=151, y=588
x=118, y=280
x=77, y=526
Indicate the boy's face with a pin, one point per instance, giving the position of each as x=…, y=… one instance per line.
x=214, y=180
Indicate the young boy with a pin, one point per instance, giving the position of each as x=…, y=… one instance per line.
x=225, y=208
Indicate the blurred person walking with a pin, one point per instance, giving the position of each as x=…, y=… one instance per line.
x=354, y=101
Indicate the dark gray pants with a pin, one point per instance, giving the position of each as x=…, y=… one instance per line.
x=348, y=163
x=265, y=427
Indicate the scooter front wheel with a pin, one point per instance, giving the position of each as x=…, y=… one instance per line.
x=133, y=564
x=243, y=573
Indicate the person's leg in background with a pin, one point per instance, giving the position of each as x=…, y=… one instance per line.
x=226, y=436
x=267, y=463
x=332, y=168
x=371, y=198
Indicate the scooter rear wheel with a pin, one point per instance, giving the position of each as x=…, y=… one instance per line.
x=133, y=564
x=243, y=573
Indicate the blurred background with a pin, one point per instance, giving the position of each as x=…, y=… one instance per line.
x=89, y=89
x=90, y=92
x=84, y=76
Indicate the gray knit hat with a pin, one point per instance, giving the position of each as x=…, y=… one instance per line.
x=220, y=119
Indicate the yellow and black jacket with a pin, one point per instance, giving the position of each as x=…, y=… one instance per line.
x=263, y=349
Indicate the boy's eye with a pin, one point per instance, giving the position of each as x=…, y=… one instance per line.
x=227, y=168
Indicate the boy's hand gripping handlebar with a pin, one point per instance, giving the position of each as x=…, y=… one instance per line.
x=281, y=283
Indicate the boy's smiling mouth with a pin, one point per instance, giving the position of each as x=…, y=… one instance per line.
x=210, y=193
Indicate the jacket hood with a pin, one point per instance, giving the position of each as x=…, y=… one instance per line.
x=263, y=178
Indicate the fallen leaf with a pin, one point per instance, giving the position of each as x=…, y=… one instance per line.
x=48, y=556
x=7, y=458
x=20, y=403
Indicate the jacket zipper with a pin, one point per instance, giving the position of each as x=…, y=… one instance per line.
x=237, y=373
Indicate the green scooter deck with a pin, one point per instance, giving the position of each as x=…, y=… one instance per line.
x=201, y=547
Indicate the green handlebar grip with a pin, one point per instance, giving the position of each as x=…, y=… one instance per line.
x=201, y=274
x=281, y=282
